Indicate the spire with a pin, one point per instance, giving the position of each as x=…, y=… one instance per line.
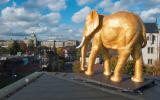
x=25, y=38
x=11, y=36
x=33, y=34
x=156, y=19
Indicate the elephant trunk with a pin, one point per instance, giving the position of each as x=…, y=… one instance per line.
x=83, y=46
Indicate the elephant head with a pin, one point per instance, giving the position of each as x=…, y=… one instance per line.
x=91, y=24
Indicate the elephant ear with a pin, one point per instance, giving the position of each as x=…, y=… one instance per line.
x=92, y=22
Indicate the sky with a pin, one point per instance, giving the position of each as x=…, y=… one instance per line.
x=63, y=19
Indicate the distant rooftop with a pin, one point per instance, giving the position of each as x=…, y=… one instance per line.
x=151, y=27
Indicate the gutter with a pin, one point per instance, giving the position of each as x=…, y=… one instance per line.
x=16, y=86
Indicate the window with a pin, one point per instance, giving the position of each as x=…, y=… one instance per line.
x=147, y=37
x=149, y=61
x=150, y=50
x=153, y=39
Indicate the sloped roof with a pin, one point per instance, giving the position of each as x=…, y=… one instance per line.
x=151, y=27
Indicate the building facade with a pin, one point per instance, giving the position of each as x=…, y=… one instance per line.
x=69, y=43
x=59, y=44
x=26, y=41
x=31, y=39
x=70, y=51
x=49, y=43
x=56, y=43
x=52, y=43
x=4, y=43
x=151, y=52
x=34, y=39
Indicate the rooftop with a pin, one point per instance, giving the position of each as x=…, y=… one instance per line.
x=151, y=27
x=62, y=86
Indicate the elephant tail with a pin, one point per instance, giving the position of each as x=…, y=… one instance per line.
x=143, y=35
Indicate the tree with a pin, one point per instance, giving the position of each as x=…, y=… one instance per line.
x=78, y=54
x=23, y=47
x=4, y=50
x=60, y=51
x=42, y=49
x=31, y=45
x=14, y=48
x=157, y=63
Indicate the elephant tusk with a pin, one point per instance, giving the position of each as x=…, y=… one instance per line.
x=81, y=44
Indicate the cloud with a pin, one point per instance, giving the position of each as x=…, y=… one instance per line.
x=14, y=14
x=146, y=9
x=22, y=22
x=109, y=6
x=130, y=5
x=158, y=1
x=37, y=30
x=4, y=1
x=18, y=20
x=150, y=15
x=65, y=32
x=81, y=14
x=83, y=2
x=51, y=18
x=14, y=4
x=52, y=5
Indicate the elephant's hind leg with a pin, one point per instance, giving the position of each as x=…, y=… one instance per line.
x=123, y=56
x=107, y=70
x=137, y=57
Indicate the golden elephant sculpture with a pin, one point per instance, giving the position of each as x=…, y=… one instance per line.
x=122, y=31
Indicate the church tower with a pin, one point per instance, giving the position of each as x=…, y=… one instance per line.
x=34, y=38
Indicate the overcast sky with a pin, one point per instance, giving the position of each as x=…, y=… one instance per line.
x=63, y=19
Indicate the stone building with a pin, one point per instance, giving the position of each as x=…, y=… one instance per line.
x=70, y=50
x=34, y=39
x=26, y=41
x=59, y=44
x=48, y=43
x=52, y=43
x=4, y=43
x=69, y=43
x=151, y=52
x=30, y=39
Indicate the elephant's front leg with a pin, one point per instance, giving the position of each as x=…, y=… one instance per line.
x=92, y=57
x=83, y=53
x=96, y=45
x=123, y=56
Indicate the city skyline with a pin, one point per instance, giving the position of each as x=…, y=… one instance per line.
x=63, y=19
